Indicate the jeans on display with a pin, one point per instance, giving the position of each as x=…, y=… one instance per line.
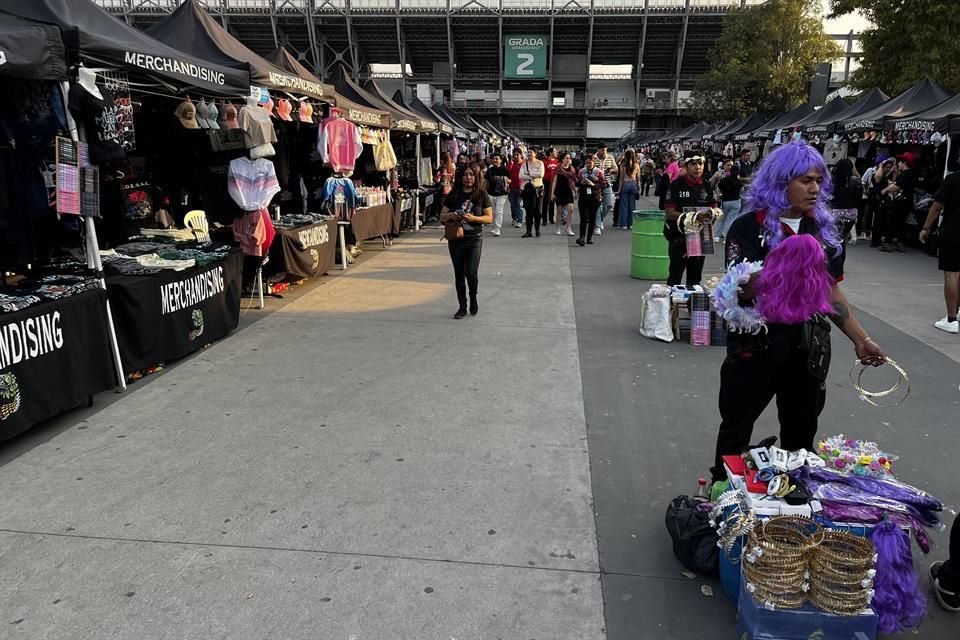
x=747, y=386
x=679, y=263
x=588, y=216
x=645, y=183
x=606, y=206
x=465, y=255
x=499, y=204
x=548, y=208
x=628, y=202
x=731, y=210
x=532, y=200
x=516, y=207
x=949, y=575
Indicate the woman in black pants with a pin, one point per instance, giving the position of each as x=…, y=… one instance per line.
x=470, y=206
x=946, y=575
x=531, y=189
x=591, y=181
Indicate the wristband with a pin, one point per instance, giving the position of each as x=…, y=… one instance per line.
x=864, y=341
x=926, y=229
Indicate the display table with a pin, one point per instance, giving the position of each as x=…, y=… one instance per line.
x=306, y=251
x=167, y=315
x=53, y=357
x=374, y=222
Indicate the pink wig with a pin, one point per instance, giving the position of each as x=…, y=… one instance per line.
x=794, y=284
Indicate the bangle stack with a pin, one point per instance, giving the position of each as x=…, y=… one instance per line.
x=842, y=572
x=776, y=561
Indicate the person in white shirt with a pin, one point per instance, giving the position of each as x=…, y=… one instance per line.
x=608, y=165
x=531, y=189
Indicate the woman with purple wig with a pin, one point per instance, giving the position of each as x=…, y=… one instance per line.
x=788, y=196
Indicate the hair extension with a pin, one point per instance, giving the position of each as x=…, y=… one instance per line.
x=897, y=598
x=768, y=191
x=794, y=284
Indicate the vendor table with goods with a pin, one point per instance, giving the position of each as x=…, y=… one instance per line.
x=305, y=245
x=373, y=222
x=822, y=541
x=54, y=349
x=170, y=300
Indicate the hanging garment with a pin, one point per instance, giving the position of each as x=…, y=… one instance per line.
x=99, y=119
x=384, y=155
x=338, y=143
x=257, y=127
x=340, y=198
x=252, y=183
x=250, y=231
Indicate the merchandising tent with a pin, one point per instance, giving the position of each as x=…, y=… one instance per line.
x=826, y=113
x=679, y=134
x=106, y=40
x=697, y=131
x=500, y=131
x=749, y=124
x=359, y=99
x=490, y=133
x=31, y=50
x=426, y=112
x=456, y=119
x=944, y=118
x=191, y=29
x=920, y=97
x=723, y=130
x=282, y=59
x=770, y=128
x=871, y=100
x=403, y=118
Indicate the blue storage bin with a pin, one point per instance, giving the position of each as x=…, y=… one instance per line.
x=730, y=570
x=754, y=622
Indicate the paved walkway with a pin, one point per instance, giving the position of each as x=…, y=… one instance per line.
x=355, y=464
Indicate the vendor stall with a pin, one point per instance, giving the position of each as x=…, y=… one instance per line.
x=305, y=245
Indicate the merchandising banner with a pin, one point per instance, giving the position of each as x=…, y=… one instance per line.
x=53, y=357
x=165, y=316
x=306, y=251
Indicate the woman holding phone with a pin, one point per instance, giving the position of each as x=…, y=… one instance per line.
x=470, y=207
x=531, y=188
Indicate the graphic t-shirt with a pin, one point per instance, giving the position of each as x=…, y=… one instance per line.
x=550, y=168
x=473, y=203
x=99, y=120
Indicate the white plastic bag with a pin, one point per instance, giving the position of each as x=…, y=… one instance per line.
x=655, y=314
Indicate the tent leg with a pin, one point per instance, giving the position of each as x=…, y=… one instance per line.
x=946, y=160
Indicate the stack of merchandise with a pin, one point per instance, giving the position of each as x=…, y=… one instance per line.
x=718, y=330
x=700, y=319
x=777, y=556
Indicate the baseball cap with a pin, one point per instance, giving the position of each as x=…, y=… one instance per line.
x=203, y=115
x=908, y=158
x=213, y=114
x=230, y=117
x=187, y=115
x=306, y=112
x=268, y=106
x=284, y=109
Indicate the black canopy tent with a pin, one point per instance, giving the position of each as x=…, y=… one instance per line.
x=920, y=97
x=106, y=40
x=346, y=86
x=404, y=119
x=823, y=114
x=870, y=100
x=747, y=125
x=363, y=108
x=942, y=118
x=191, y=29
x=32, y=50
x=721, y=132
x=282, y=59
x=770, y=128
x=451, y=115
x=424, y=111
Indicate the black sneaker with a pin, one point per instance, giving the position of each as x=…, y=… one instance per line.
x=461, y=312
x=949, y=600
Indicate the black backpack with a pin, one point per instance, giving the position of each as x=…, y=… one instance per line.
x=694, y=540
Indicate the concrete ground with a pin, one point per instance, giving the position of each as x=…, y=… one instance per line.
x=352, y=463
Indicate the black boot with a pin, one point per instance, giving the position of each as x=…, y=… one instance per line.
x=474, y=307
x=461, y=312
x=580, y=241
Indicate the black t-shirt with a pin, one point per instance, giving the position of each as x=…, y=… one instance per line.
x=746, y=241
x=99, y=120
x=906, y=181
x=474, y=203
x=847, y=196
x=498, y=180
x=683, y=193
x=730, y=188
x=949, y=197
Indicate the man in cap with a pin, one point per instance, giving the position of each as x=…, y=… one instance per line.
x=689, y=190
x=947, y=202
x=901, y=191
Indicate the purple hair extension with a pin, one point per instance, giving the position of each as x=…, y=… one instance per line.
x=794, y=284
x=883, y=487
x=840, y=512
x=897, y=598
x=768, y=191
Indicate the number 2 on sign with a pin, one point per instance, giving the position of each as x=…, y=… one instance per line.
x=525, y=62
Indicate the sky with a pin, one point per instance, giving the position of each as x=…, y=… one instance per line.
x=853, y=21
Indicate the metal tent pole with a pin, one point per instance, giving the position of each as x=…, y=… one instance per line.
x=416, y=201
x=93, y=252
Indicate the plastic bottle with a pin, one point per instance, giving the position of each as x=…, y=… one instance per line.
x=702, y=491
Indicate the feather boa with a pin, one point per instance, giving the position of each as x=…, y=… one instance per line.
x=727, y=304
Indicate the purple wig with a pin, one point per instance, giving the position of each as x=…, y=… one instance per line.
x=768, y=191
x=794, y=284
x=897, y=600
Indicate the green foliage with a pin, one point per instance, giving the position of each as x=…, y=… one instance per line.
x=763, y=61
x=909, y=40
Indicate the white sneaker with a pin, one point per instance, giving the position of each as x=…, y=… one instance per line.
x=570, y=232
x=558, y=232
x=597, y=232
x=495, y=232
x=945, y=325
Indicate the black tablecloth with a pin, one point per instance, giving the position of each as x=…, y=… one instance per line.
x=168, y=315
x=53, y=356
x=307, y=251
x=374, y=221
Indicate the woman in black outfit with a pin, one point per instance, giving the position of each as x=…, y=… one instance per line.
x=591, y=181
x=470, y=206
x=847, y=196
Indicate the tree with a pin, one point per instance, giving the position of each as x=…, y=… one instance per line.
x=908, y=41
x=763, y=61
